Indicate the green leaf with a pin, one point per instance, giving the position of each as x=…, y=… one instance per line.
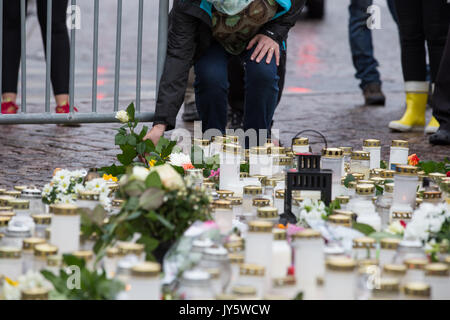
x=151, y=199
x=143, y=132
x=71, y=260
x=379, y=190
x=165, y=222
x=153, y=180
x=149, y=146
x=349, y=178
x=382, y=235
x=128, y=154
x=140, y=148
x=131, y=140
x=383, y=164
x=131, y=112
x=363, y=228
x=120, y=139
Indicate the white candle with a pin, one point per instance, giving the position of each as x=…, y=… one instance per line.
x=10, y=262
x=145, y=282
x=281, y=254
x=340, y=279
x=300, y=145
x=373, y=146
x=65, y=227
x=405, y=185
x=437, y=276
x=398, y=153
x=230, y=161
x=388, y=249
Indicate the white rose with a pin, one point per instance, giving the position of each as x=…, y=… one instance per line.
x=140, y=173
x=122, y=116
x=169, y=177
x=396, y=228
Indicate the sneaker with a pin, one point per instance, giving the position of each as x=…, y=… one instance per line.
x=373, y=95
x=235, y=119
x=190, y=113
x=65, y=109
x=9, y=107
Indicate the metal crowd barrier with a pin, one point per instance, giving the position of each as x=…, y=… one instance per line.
x=93, y=117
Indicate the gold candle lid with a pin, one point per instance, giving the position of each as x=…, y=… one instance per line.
x=343, y=199
x=4, y=221
x=2, y=190
x=285, y=281
x=301, y=141
x=332, y=153
x=389, y=243
x=85, y=255
x=112, y=252
x=45, y=250
x=364, y=242
x=35, y=294
x=377, y=180
x=405, y=170
x=341, y=264
x=117, y=202
x=209, y=185
x=19, y=204
x=260, y=202
x=346, y=213
x=360, y=155
x=400, y=143
x=388, y=285
x=432, y=195
x=20, y=188
x=13, y=193
x=365, y=189
x=235, y=201
x=358, y=176
x=232, y=139
x=419, y=289
x=222, y=204
x=130, y=248
x=10, y=253
x=244, y=291
x=437, y=269
x=387, y=174
x=399, y=269
x=249, y=269
x=279, y=194
x=260, y=226
x=146, y=269
x=223, y=194
x=54, y=260
x=347, y=150
x=273, y=182
x=402, y=215
x=267, y=213
x=201, y=142
x=89, y=195
x=252, y=190
x=30, y=243
x=279, y=234
x=42, y=218
x=389, y=187
x=416, y=263
x=259, y=150
x=277, y=150
x=6, y=209
x=236, y=258
x=64, y=209
x=371, y=143
x=307, y=234
x=243, y=175
x=231, y=148
x=282, y=160
x=340, y=219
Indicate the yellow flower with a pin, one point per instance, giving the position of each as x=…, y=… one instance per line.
x=114, y=179
x=11, y=282
x=152, y=163
x=109, y=177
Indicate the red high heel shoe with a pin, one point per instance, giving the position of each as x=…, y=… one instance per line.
x=9, y=107
x=65, y=109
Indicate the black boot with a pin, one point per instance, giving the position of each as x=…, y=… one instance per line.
x=373, y=94
x=190, y=113
x=441, y=137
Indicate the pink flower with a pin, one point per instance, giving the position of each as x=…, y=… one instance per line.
x=210, y=224
x=403, y=223
x=214, y=173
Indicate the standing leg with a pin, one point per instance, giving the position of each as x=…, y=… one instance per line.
x=190, y=109
x=211, y=88
x=11, y=54
x=261, y=94
x=393, y=10
x=60, y=51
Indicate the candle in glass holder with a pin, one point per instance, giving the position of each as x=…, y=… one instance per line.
x=87, y=256
x=65, y=227
x=279, y=200
x=20, y=206
x=281, y=254
x=224, y=194
x=398, y=153
x=417, y=290
x=223, y=215
x=268, y=213
x=259, y=160
x=258, y=243
x=415, y=269
x=34, y=195
x=204, y=144
x=360, y=163
x=42, y=222
x=88, y=199
x=373, y=146
x=253, y=275
x=300, y=145
x=131, y=249
x=110, y=262
x=364, y=207
x=54, y=263
x=363, y=248
x=28, y=252
x=236, y=259
x=340, y=220
x=333, y=159
x=405, y=181
x=145, y=281
x=388, y=249
x=340, y=279
x=309, y=261
x=230, y=160
x=259, y=203
x=250, y=192
x=10, y=262
x=41, y=252
x=437, y=276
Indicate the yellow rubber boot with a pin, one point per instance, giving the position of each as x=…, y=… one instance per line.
x=432, y=126
x=414, y=116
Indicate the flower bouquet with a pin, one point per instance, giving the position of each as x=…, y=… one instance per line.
x=64, y=186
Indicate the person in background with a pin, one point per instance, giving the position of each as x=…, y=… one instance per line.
x=60, y=53
x=190, y=113
x=441, y=99
x=421, y=22
x=207, y=33
x=362, y=50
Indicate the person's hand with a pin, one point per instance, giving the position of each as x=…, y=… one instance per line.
x=155, y=133
x=266, y=46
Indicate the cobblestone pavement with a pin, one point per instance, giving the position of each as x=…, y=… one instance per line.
x=321, y=94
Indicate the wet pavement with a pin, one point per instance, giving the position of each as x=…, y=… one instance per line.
x=321, y=93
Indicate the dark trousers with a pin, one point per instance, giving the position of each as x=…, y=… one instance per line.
x=441, y=97
x=361, y=44
x=422, y=22
x=60, y=44
x=212, y=88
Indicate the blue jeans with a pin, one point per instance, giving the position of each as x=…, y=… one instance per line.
x=361, y=41
x=211, y=89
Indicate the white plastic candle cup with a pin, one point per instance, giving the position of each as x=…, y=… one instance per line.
x=300, y=145
x=309, y=261
x=340, y=279
x=360, y=163
x=279, y=201
x=405, y=181
x=145, y=282
x=398, y=153
x=42, y=222
x=373, y=146
x=10, y=262
x=388, y=249
x=281, y=254
x=437, y=276
x=28, y=252
x=35, y=198
x=259, y=161
x=230, y=162
x=250, y=192
x=41, y=253
x=254, y=275
x=65, y=227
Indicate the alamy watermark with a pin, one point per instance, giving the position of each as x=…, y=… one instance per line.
x=73, y=17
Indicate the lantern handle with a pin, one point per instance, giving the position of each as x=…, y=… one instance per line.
x=315, y=131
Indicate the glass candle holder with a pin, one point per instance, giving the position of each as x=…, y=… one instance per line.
x=145, y=282
x=285, y=287
x=54, y=264
x=249, y=193
x=415, y=269
x=110, y=262
x=363, y=248
x=437, y=276
x=28, y=252
x=34, y=196
x=300, y=145
x=394, y=271
x=340, y=220
x=333, y=159
x=224, y=194
x=253, y=275
x=243, y=292
x=41, y=252
x=384, y=203
x=203, y=144
x=194, y=177
x=400, y=216
x=416, y=291
x=360, y=163
x=236, y=203
x=409, y=249
x=131, y=249
x=388, y=249
x=343, y=201
x=386, y=289
x=398, y=153
x=279, y=200
x=340, y=279
x=373, y=146
x=217, y=258
x=268, y=213
x=216, y=145
x=259, y=203
x=309, y=261
x=223, y=215
x=87, y=256
x=433, y=197
x=364, y=208
x=236, y=259
x=88, y=199
x=347, y=157
x=20, y=206
x=259, y=161
x=281, y=254
x=230, y=161
x=10, y=262
x=195, y=285
x=65, y=227
x=16, y=232
x=42, y=222
x=281, y=164
x=405, y=181
x=258, y=244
